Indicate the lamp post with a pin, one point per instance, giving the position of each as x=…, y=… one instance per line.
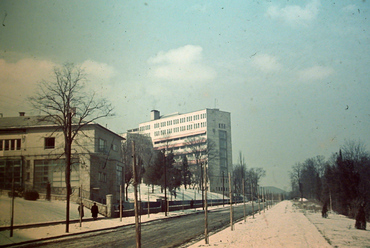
x=223, y=189
x=165, y=183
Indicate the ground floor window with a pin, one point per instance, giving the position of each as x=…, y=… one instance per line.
x=10, y=169
x=53, y=171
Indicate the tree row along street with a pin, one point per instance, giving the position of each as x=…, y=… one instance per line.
x=171, y=232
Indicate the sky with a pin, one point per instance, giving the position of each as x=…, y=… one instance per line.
x=293, y=74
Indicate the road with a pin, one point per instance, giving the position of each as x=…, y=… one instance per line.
x=171, y=232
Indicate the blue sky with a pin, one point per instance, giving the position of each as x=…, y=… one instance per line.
x=293, y=74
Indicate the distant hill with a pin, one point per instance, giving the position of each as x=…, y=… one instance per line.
x=275, y=190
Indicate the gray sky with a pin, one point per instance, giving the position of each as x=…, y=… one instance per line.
x=293, y=74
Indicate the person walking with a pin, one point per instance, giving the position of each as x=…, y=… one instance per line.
x=94, y=211
x=81, y=210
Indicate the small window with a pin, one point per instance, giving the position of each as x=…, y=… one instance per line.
x=12, y=144
x=1, y=145
x=18, y=144
x=115, y=147
x=102, y=145
x=7, y=145
x=50, y=143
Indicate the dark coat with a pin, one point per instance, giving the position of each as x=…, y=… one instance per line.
x=94, y=211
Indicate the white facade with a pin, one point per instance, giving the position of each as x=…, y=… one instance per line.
x=32, y=149
x=177, y=131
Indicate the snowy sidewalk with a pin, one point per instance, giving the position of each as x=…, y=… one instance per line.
x=281, y=226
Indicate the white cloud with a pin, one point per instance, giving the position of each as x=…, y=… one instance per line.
x=99, y=76
x=17, y=79
x=181, y=64
x=97, y=71
x=266, y=63
x=294, y=14
x=315, y=73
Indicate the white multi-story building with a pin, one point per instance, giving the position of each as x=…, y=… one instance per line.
x=180, y=133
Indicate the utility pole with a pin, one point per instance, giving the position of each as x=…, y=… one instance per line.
x=223, y=189
x=263, y=198
x=231, y=204
x=259, y=199
x=252, y=196
x=244, y=200
x=81, y=207
x=12, y=216
x=137, y=223
x=120, y=202
x=205, y=205
x=165, y=182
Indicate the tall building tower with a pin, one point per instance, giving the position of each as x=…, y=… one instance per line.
x=202, y=136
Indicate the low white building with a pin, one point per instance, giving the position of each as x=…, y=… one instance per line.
x=180, y=133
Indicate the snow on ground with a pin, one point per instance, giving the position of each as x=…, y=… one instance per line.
x=26, y=212
x=281, y=226
x=181, y=194
x=340, y=230
x=32, y=233
x=284, y=225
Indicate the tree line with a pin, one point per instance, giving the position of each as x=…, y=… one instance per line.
x=342, y=182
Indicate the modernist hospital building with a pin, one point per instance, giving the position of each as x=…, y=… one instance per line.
x=174, y=131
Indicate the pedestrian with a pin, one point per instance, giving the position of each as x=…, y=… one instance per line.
x=361, y=218
x=324, y=211
x=191, y=203
x=94, y=211
x=48, y=191
x=81, y=210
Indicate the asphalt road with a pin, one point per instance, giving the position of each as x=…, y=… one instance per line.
x=171, y=232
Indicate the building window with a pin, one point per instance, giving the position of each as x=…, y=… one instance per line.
x=1, y=145
x=18, y=142
x=102, y=146
x=49, y=143
x=6, y=146
x=114, y=147
x=102, y=177
x=53, y=171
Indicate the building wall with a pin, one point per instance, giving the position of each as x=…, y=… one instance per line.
x=35, y=159
x=175, y=131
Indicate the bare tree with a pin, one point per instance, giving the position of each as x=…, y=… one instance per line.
x=204, y=151
x=65, y=102
x=144, y=153
x=239, y=175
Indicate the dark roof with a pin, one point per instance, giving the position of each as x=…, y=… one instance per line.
x=24, y=121
x=21, y=122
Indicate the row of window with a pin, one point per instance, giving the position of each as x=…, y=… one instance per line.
x=175, y=122
x=15, y=144
x=221, y=125
x=103, y=147
x=10, y=144
x=49, y=143
x=180, y=129
x=146, y=127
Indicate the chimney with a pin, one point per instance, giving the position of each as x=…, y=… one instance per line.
x=22, y=113
x=154, y=115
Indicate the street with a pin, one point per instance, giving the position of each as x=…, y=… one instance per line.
x=171, y=232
